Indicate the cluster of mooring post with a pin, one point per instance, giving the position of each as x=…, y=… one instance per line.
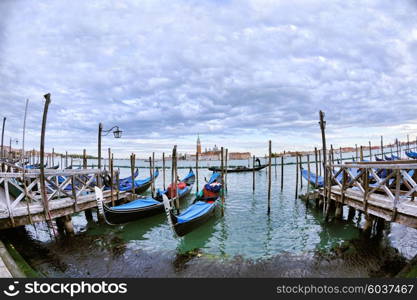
x=325, y=159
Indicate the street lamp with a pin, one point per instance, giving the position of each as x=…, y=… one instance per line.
x=117, y=133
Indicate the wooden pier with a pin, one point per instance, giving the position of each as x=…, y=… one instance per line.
x=67, y=192
x=363, y=187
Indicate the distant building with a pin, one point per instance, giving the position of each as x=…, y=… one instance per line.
x=215, y=154
x=239, y=155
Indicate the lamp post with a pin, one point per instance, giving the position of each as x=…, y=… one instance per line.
x=101, y=132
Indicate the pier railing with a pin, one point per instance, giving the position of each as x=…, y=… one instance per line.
x=391, y=184
x=20, y=189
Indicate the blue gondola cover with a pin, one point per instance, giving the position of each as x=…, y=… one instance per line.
x=194, y=211
x=139, y=203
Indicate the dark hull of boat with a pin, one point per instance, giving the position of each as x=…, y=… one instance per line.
x=143, y=188
x=238, y=170
x=120, y=217
x=124, y=216
x=182, y=229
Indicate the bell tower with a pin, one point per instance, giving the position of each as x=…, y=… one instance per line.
x=198, y=144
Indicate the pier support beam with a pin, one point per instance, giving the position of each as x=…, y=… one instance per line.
x=339, y=211
x=65, y=225
x=367, y=228
x=351, y=213
x=88, y=215
x=380, y=226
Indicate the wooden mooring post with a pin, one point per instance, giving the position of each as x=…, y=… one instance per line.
x=317, y=166
x=300, y=170
x=370, y=151
x=253, y=174
x=132, y=172
x=163, y=171
x=225, y=169
x=382, y=147
x=282, y=172
x=42, y=165
x=296, y=175
x=222, y=174
x=269, y=176
x=196, y=170
x=323, y=138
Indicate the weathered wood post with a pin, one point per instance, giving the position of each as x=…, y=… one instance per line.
x=317, y=166
x=163, y=170
x=398, y=147
x=196, y=169
x=222, y=168
x=296, y=175
x=323, y=138
x=2, y=137
x=320, y=163
x=84, y=159
x=357, y=154
x=42, y=165
x=150, y=173
x=382, y=147
x=225, y=169
x=282, y=172
x=132, y=172
x=153, y=173
x=66, y=159
x=370, y=151
x=299, y=170
x=340, y=155
x=361, y=153
x=53, y=156
x=269, y=177
x=308, y=175
x=408, y=142
x=111, y=177
x=253, y=174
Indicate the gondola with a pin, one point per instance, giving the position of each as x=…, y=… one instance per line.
x=393, y=157
x=411, y=154
x=140, y=185
x=313, y=178
x=238, y=169
x=202, y=209
x=378, y=158
x=145, y=206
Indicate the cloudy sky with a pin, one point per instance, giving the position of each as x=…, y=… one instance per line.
x=237, y=72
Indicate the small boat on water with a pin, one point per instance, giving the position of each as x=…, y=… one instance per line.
x=393, y=157
x=313, y=178
x=144, y=206
x=240, y=168
x=378, y=158
x=202, y=209
x=411, y=154
x=140, y=185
